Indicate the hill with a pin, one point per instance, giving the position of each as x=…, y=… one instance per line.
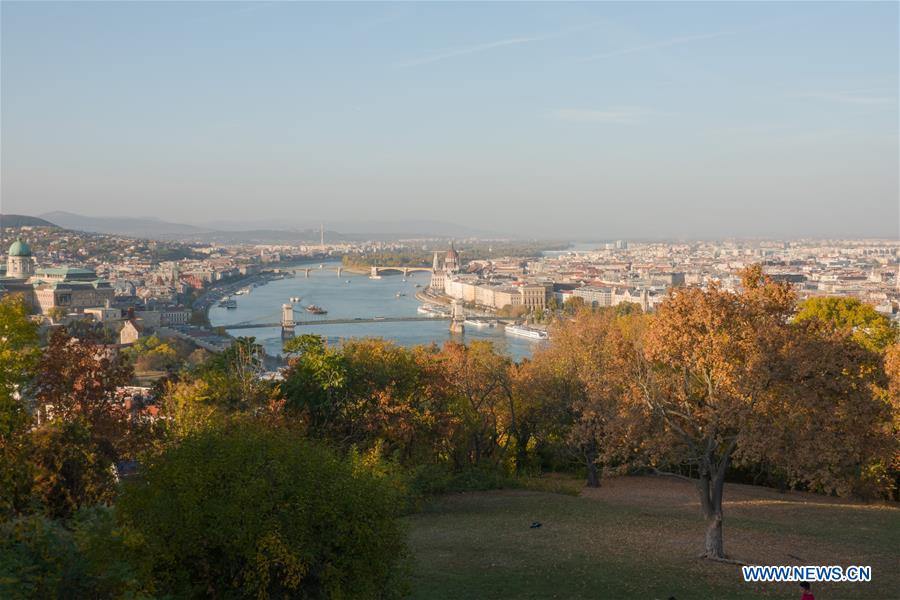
x=638, y=537
x=142, y=227
x=24, y=221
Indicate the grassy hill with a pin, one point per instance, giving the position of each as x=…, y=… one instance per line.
x=638, y=537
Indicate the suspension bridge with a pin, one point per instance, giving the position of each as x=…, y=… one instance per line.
x=288, y=323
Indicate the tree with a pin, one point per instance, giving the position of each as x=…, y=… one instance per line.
x=859, y=320
x=234, y=376
x=728, y=377
x=70, y=468
x=78, y=379
x=477, y=385
x=250, y=511
x=19, y=355
x=583, y=374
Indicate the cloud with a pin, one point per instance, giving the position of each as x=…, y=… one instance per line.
x=451, y=53
x=623, y=115
x=859, y=97
x=657, y=45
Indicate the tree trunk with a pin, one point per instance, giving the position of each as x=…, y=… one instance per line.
x=712, y=487
x=593, y=474
x=714, y=545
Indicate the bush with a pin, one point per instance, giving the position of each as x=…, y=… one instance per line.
x=250, y=512
x=86, y=557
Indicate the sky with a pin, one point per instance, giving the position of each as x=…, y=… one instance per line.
x=577, y=120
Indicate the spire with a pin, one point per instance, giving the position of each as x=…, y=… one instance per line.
x=436, y=264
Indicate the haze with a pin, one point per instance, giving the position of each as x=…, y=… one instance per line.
x=579, y=120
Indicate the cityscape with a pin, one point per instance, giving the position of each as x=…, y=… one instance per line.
x=449, y=300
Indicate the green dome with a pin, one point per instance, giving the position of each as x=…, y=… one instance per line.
x=19, y=248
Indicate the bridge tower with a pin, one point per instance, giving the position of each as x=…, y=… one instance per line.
x=287, y=321
x=374, y=272
x=456, y=317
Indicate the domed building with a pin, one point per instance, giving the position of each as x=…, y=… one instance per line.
x=19, y=262
x=70, y=288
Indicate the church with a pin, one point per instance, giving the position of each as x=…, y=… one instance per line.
x=44, y=289
x=439, y=274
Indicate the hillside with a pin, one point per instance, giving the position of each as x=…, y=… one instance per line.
x=639, y=537
x=24, y=221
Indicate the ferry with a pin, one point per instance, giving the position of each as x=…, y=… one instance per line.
x=228, y=303
x=479, y=324
x=527, y=332
x=432, y=310
x=316, y=310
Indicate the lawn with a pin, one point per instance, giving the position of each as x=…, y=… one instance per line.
x=638, y=537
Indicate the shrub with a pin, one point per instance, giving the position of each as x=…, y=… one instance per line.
x=250, y=512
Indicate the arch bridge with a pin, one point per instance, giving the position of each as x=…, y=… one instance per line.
x=376, y=270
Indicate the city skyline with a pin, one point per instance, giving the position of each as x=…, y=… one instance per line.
x=597, y=121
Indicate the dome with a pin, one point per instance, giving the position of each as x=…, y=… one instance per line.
x=19, y=248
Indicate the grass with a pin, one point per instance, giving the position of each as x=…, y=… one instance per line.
x=638, y=537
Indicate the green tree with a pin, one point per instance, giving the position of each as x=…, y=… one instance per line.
x=70, y=468
x=861, y=321
x=257, y=512
x=19, y=355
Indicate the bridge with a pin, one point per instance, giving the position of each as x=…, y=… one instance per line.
x=251, y=325
x=288, y=323
x=376, y=270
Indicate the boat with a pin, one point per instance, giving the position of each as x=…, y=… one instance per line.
x=316, y=310
x=374, y=276
x=478, y=323
x=527, y=332
x=228, y=303
x=295, y=299
x=400, y=294
x=418, y=285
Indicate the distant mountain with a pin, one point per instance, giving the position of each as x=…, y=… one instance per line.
x=263, y=231
x=142, y=227
x=23, y=221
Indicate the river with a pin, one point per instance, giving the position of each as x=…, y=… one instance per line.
x=360, y=298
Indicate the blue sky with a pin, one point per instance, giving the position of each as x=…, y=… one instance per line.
x=601, y=120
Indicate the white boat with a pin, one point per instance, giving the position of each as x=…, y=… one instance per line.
x=479, y=323
x=228, y=303
x=374, y=276
x=527, y=332
x=295, y=299
x=400, y=294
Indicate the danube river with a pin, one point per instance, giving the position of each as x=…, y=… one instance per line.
x=349, y=297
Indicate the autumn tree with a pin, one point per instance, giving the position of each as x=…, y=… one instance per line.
x=728, y=377
x=477, y=384
x=78, y=379
x=578, y=382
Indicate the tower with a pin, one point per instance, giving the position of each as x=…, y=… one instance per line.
x=437, y=275
x=287, y=321
x=451, y=263
x=456, y=317
x=19, y=262
x=322, y=236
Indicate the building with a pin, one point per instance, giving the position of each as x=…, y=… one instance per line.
x=68, y=288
